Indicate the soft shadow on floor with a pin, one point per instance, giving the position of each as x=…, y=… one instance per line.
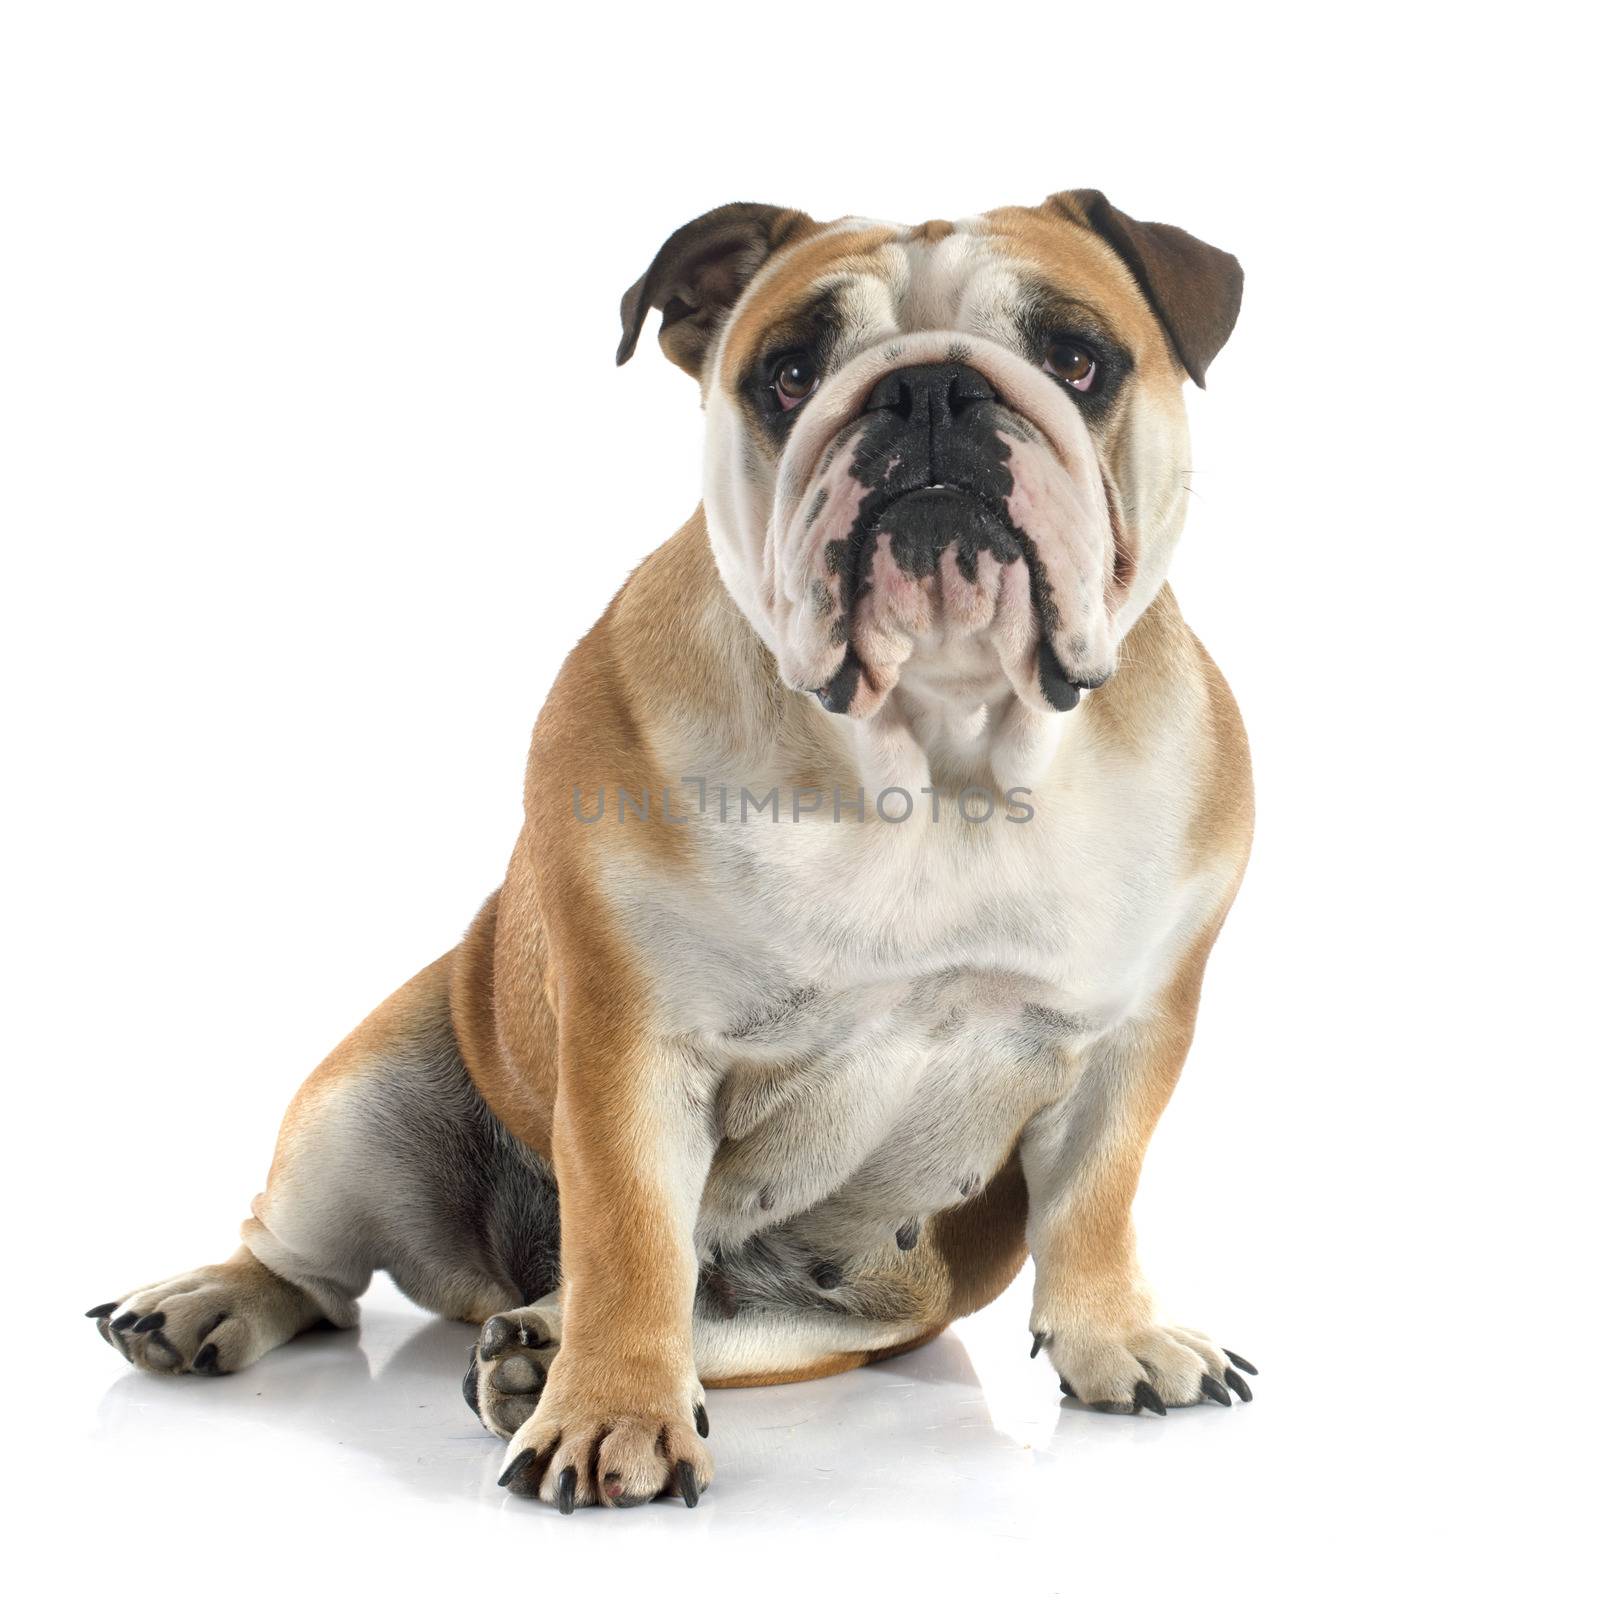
x=910, y=1437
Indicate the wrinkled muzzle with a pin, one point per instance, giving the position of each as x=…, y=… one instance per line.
x=939, y=489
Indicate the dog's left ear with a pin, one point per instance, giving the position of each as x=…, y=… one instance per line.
x=698, y=274
x=1193, y=288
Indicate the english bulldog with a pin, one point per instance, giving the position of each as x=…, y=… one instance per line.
x=876, y=838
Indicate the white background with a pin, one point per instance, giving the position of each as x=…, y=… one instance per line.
x=315, y=464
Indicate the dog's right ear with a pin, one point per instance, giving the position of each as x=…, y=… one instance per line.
x=700, y=272
x=1193, y=287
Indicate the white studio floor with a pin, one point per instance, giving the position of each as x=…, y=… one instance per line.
x=350, y=1458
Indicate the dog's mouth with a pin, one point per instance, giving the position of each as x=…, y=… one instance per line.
x=923, y=523
x=938, y=526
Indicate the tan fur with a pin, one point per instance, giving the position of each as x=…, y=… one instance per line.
x=394, y=1022
x=567, y=1026
x=1160, y=650
x=584, y=736
x=1086, y=1270
x=791, y=279
x=1085, y=268
x=499, y=1041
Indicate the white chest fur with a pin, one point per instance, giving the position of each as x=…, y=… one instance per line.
x=882, y=1006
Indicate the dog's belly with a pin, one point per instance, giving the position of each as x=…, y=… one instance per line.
x=847, y=1117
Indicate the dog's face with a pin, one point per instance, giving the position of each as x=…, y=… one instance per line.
x=953, y=456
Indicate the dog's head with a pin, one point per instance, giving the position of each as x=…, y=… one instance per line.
x=951, y=456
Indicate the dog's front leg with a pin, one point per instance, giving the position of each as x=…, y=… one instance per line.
x=622, y=1414
x=1092, y=1311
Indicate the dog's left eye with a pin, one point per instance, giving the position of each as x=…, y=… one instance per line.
x=1072, y=364
x=796, y=380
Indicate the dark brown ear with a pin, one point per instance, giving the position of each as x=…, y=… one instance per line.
x=1193, y=288
x=698, y=274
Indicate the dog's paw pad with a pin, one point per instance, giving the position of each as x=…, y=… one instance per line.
x=508, y=1366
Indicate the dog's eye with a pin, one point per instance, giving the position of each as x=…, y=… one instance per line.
x=1072, y=364
x=796, y=380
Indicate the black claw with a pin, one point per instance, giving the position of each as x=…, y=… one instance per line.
x=1144, y=1395
x=688, y=1487
x=826, y=1275
x=1237, y=1384
x=469, y=1385
x=969, y=1184
x=1210, y=1386
x=1068, y=1390
x=497, y=1334
x=156, y=1319
x=101, y=1311
x=1243, y=1365
x=702, y=1423
x=206, y=1359
x=907, y=1233
x=126, y=1320
x=516, y=1466
x=567, y=1491
x=1040, y=1340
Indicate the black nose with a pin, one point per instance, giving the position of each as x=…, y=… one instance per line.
x=936, y=395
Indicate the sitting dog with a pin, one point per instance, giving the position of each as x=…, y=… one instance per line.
x=876, y=838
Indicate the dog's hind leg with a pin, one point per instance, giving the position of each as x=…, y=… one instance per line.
x=213, y=1320
x=388, y=1159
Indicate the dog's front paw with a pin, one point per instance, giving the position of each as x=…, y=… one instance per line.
x=1146, y=1368
x=578, y=1450
x=508, y=1366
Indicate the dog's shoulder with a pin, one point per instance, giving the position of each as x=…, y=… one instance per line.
x=1170, y=705
x=672, y=645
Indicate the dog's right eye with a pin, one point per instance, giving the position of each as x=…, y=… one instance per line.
x=795, y=379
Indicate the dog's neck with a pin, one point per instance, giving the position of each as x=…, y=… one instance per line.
x=954, y=722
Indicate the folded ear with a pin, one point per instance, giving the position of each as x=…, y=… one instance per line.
x=698, y=274
x=1193, y=288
